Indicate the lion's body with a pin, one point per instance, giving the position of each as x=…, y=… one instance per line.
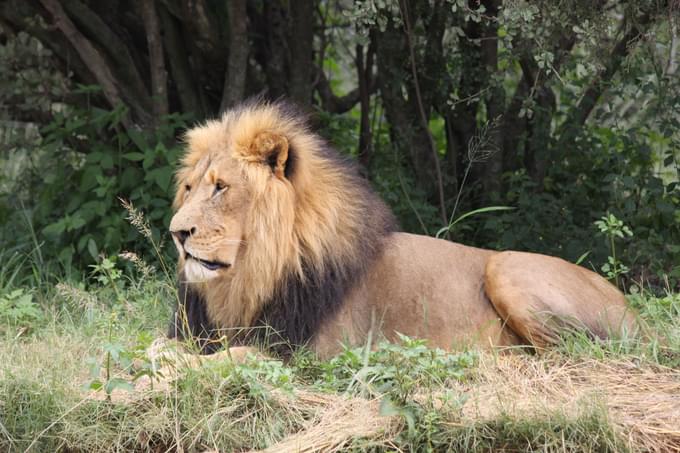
x=274, y=229
x=452, y=294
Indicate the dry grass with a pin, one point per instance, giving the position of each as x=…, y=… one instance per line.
x=642, y=401
x=639, y=401
x=338, y=422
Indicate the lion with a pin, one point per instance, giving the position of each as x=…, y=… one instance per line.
x=281, y=243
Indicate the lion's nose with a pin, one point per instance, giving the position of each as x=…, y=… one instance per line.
x=182, y=235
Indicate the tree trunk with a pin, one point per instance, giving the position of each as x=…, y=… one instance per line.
x=96, y=63
x=123, y=56
x=301, y=50
x=493, y=167
x=237, y=63
x=406, y=127
x=159, y=78
x=364, y=76
x=180, y=66
x=275, y=48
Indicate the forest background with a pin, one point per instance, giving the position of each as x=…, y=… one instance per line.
x=565, y=111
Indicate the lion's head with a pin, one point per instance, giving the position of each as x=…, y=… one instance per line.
x=267, y=216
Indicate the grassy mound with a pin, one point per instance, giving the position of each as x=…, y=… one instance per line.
x=73, y=378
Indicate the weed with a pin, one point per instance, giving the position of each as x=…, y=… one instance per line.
x=106, y=273
x=613, y=228
x=18, y=308
x=394, y=369
x=116, y=356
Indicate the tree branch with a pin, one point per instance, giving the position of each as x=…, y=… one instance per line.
x=275, y=48
x=493, y=167
x=106, y=39
x=203, y=26
x=580, y=113
x=93, y=59
x=301, y=39
x=333, y=103
x=86, y=50
x=421, y=111
x=364, y=75
x=17, y=14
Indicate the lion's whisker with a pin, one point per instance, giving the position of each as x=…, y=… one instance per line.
x=229, y=241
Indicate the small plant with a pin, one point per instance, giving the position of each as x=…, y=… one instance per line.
x=117, y=356
x=106, y=274
x=260, y=374
x=613, y=228
x=18, y=308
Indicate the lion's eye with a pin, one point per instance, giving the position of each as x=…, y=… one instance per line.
x=187, y=187
x=219, y=187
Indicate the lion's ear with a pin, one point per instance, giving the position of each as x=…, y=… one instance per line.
x=272, y=148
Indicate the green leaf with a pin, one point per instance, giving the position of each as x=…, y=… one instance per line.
x=92, y=248
x=95, y=156
x=107, y=162
x=473, y=213
x=582, y=257
x=138, y=139
x=113, y=348
x=388, y=409
x=134, y=157
x=164, y=177
x=117, y=383
x=55, y=228
x=76, y=222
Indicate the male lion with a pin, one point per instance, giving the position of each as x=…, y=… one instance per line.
x=281, y=242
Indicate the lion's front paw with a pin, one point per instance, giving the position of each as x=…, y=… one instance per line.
x=166, y=359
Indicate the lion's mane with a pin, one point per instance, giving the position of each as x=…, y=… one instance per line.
x=309, y=239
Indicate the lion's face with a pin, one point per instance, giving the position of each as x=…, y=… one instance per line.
x=228, y=165
x=208, y=229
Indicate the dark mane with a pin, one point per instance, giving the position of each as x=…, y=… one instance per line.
x=190, y=319
x=299, y=307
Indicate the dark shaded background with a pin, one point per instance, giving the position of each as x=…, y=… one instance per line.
x=564, y=110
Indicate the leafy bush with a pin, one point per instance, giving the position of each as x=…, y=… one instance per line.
x=615, y=172
x=84, y=164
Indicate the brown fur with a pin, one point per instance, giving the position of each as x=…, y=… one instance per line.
x=296, y=224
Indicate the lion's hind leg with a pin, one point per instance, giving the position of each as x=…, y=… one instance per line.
x=540, y=296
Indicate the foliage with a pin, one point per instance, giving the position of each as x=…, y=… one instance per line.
x=395, y=369
x=612, y=175
x=18, y=309
x=85, y=163
x=566, y=112
x=116, y=356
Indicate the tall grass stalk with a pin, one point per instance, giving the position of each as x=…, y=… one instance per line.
x=136, y=219
x=481, y=147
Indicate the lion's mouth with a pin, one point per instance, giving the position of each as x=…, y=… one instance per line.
x=210, y=265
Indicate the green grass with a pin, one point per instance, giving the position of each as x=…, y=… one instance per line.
x=398, y=397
